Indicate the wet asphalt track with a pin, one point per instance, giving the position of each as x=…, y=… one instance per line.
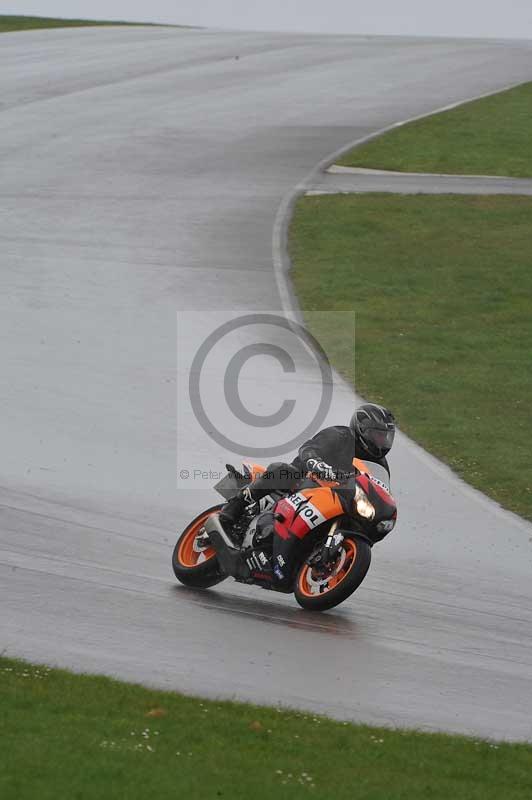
x=140, y=173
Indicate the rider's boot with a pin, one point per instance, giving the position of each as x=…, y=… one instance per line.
x=231, y=512
x=234, y=508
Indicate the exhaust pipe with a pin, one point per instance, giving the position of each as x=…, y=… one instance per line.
x=229, y=556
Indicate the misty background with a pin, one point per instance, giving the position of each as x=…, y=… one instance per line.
x=470, y=18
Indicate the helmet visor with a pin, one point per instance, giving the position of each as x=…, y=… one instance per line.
x=381, y=439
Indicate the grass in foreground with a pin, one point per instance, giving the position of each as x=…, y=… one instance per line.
x=90, y=737
x=442, y=291
x=492, y=136
x=20, y=23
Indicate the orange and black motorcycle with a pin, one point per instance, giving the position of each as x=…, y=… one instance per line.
x=315, y=543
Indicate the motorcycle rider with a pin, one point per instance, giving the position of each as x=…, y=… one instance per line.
x=328, y=455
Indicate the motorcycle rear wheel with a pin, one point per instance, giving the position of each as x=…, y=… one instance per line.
x=319, y=593
x=194, y=566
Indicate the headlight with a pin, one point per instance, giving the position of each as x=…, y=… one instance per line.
x=362, y=504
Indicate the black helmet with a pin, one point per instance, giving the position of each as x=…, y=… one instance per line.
x=374, y=427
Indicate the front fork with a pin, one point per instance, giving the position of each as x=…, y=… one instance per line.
x=331, y=549
x=325, y=555
x=323, y=558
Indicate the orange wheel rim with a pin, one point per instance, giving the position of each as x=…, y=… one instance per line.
x=189, y=554
x=310, y=586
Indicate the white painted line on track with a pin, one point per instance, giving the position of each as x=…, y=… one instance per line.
x=339, y=169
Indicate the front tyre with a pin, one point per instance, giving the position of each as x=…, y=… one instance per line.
x=318, y=591
x=193, y=564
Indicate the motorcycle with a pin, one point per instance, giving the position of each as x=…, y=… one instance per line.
x=315, y=542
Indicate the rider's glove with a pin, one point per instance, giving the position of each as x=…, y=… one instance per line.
x=321, y=469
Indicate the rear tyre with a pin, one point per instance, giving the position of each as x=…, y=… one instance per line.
x=194, y=565
x=318, y=592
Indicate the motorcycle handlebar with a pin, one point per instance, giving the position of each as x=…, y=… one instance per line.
x=343, y=477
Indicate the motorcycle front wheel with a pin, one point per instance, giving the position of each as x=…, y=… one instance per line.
x=193, y=565
x=319, y=591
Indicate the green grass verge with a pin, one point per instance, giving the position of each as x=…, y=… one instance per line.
x=68, y=736
x=21, y=23
x=442, y=291
x=492, y=136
